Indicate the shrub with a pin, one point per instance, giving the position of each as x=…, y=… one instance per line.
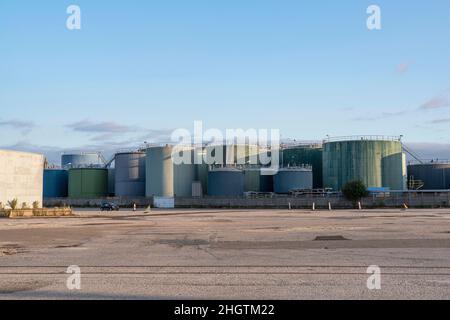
x=36, y=205
x=13, y=203
x=24, y=205
x=354, y=191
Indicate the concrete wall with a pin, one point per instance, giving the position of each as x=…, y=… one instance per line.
x=21, y=177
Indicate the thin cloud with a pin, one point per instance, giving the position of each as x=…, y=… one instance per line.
x=381, y=116
x=439, y=121
x=24, y=126
x=428, y=151
x=101, y=127
x=437, y=102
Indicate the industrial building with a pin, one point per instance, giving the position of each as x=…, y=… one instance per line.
x=379, y=162
x=21, y=177
x=305, y=169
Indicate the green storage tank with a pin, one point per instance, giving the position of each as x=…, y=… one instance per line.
x=88, y=183
x=310, y=154
x=376, y=161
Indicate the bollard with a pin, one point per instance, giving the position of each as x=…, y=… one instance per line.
x=314, y=206
x=290, y=206
x=359, y=205
x=329, y=206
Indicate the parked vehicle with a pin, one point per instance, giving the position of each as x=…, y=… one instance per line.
x=109, y=206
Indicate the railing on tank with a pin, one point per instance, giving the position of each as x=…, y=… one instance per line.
x=289, y=144
x=363, y=138
x=429, y=161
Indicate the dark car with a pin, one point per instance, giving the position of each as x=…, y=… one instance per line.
x=109, y=206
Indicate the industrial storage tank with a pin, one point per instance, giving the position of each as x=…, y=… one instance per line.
x=256, y=182
x=226, y=182
x=82, y=160
x=232, y=154
x=376, y=161
x=111, y=182
x=431, y=176
x=201, y=169
x=164, y=178
x=56, y=183
x=288, y=179
x=130, y=174
x=88, y=183
x=21, y=177
x=305, y=154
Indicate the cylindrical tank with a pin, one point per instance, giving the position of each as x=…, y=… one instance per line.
x=434, y=176
x=55, y=183
x=164, y=178
x=310, y=154
x=257, y=182
x=288, y=179
x=377, y=162
x=88, y=183
x=226, y=182
x=159, y=172
x=201, y=170
x=111, y=182
x=82, y=160
x=232, y=154
x=130, y=174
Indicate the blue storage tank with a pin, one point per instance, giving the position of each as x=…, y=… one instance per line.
x=82, y=160
x=55, y=183
x=226, y=182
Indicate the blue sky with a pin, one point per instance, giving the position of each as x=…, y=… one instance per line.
x=138, y=69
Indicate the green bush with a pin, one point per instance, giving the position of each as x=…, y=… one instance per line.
x=354, y=191
x=13, y=203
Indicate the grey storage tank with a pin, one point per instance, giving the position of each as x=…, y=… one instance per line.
x=288, y=179
x=130, y=174
x=164, y=178
x=226, y=182
x=82, y=160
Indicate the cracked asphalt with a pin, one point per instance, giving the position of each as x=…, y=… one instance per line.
x=228, y=254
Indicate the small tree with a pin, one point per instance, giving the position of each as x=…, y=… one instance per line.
x=13, y=203
x=36, y=205
x=354, y=191
x=24, y=205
